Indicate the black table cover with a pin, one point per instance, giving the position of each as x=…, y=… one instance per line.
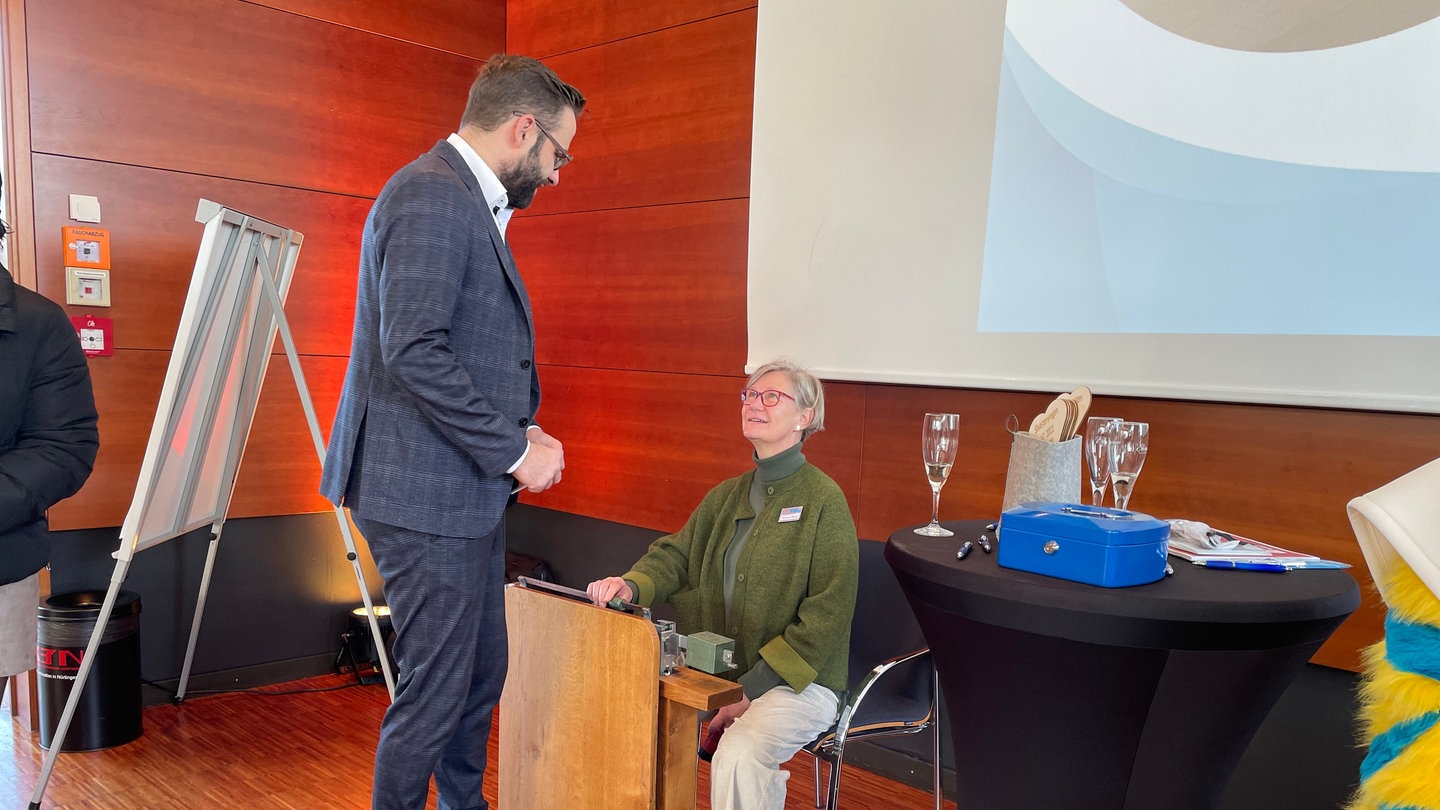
x=1070, y=696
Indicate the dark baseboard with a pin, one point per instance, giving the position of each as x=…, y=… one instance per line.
x=154, y=693
x=899, y=766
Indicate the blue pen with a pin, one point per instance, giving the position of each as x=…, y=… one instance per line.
x=1243, y=566
x=1298, y=564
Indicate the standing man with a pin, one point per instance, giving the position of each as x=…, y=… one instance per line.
x=435, y=425
x=48, y=442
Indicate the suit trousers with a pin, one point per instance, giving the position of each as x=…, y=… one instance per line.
x=447, y=605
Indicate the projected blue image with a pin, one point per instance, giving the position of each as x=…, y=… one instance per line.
x=1099, y=225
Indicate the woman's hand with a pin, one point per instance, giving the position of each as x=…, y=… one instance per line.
x=728, y=714
x=601, y=591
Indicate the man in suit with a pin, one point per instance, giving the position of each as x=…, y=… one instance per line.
x=435, y=427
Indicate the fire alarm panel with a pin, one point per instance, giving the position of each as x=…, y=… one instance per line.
x=87, y=288
x=86, y=247
x=97, y=335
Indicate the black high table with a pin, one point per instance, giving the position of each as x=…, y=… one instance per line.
x=1064, y=696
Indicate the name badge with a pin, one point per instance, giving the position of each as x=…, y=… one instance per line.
x=790, y=514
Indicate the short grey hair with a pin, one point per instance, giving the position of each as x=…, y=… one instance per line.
x=809, y=393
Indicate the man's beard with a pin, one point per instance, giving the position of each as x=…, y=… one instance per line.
x=523, y=179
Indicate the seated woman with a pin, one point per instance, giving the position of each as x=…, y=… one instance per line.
x=770, y=559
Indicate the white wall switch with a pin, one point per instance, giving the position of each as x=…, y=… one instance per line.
x=84, y=208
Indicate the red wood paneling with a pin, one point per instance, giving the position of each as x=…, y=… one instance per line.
x=640, y=448
x=1281, y=473
x=231, y=89
x=15, y=140
x=154, y=239
x=667, y=119
x=659, y=288
x=127, y=386
x=644, y=448
x=280, y=471
x=894, y=491
x=835, y=449
x=280, y=474
x=546, y=27
x=168, y=101
x=1276, y=473
x=474, y=28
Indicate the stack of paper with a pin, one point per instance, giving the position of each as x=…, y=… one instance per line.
x=1200, y=544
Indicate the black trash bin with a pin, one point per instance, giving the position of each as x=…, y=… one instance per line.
x=108, y=713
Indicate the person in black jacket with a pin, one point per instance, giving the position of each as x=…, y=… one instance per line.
x=48, y=440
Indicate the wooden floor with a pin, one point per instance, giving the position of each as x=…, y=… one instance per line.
x=289, y=752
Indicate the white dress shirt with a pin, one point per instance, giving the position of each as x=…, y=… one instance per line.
x=499, y=200
x=490, y=185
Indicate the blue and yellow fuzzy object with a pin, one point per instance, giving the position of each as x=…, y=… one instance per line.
x=1400, y=702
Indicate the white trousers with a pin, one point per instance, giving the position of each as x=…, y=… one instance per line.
x=745, y=773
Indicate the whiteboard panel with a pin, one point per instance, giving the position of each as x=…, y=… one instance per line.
x=212, y=385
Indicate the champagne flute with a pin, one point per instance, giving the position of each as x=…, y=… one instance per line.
x=1098, y=433
x=938, y=438
x=1130, y=442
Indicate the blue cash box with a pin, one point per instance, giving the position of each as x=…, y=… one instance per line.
x=1112, y=548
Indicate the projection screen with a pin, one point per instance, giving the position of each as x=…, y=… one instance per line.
x=1066, y=191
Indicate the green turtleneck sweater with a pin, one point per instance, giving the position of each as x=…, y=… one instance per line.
x=770, y=559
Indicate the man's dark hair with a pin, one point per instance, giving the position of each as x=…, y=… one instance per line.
x=508, y=84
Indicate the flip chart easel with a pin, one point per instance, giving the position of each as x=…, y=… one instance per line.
x=232, y=314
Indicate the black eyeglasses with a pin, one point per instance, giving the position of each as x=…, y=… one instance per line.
x=769, y=398
x=562, y=157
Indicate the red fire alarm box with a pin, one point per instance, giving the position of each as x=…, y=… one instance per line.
x=97, y=335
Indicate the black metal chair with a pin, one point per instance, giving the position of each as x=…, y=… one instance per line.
x=874, y=711
x=895, y=697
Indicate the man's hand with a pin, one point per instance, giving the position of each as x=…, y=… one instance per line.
x=537, y=435
x=543, y=462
